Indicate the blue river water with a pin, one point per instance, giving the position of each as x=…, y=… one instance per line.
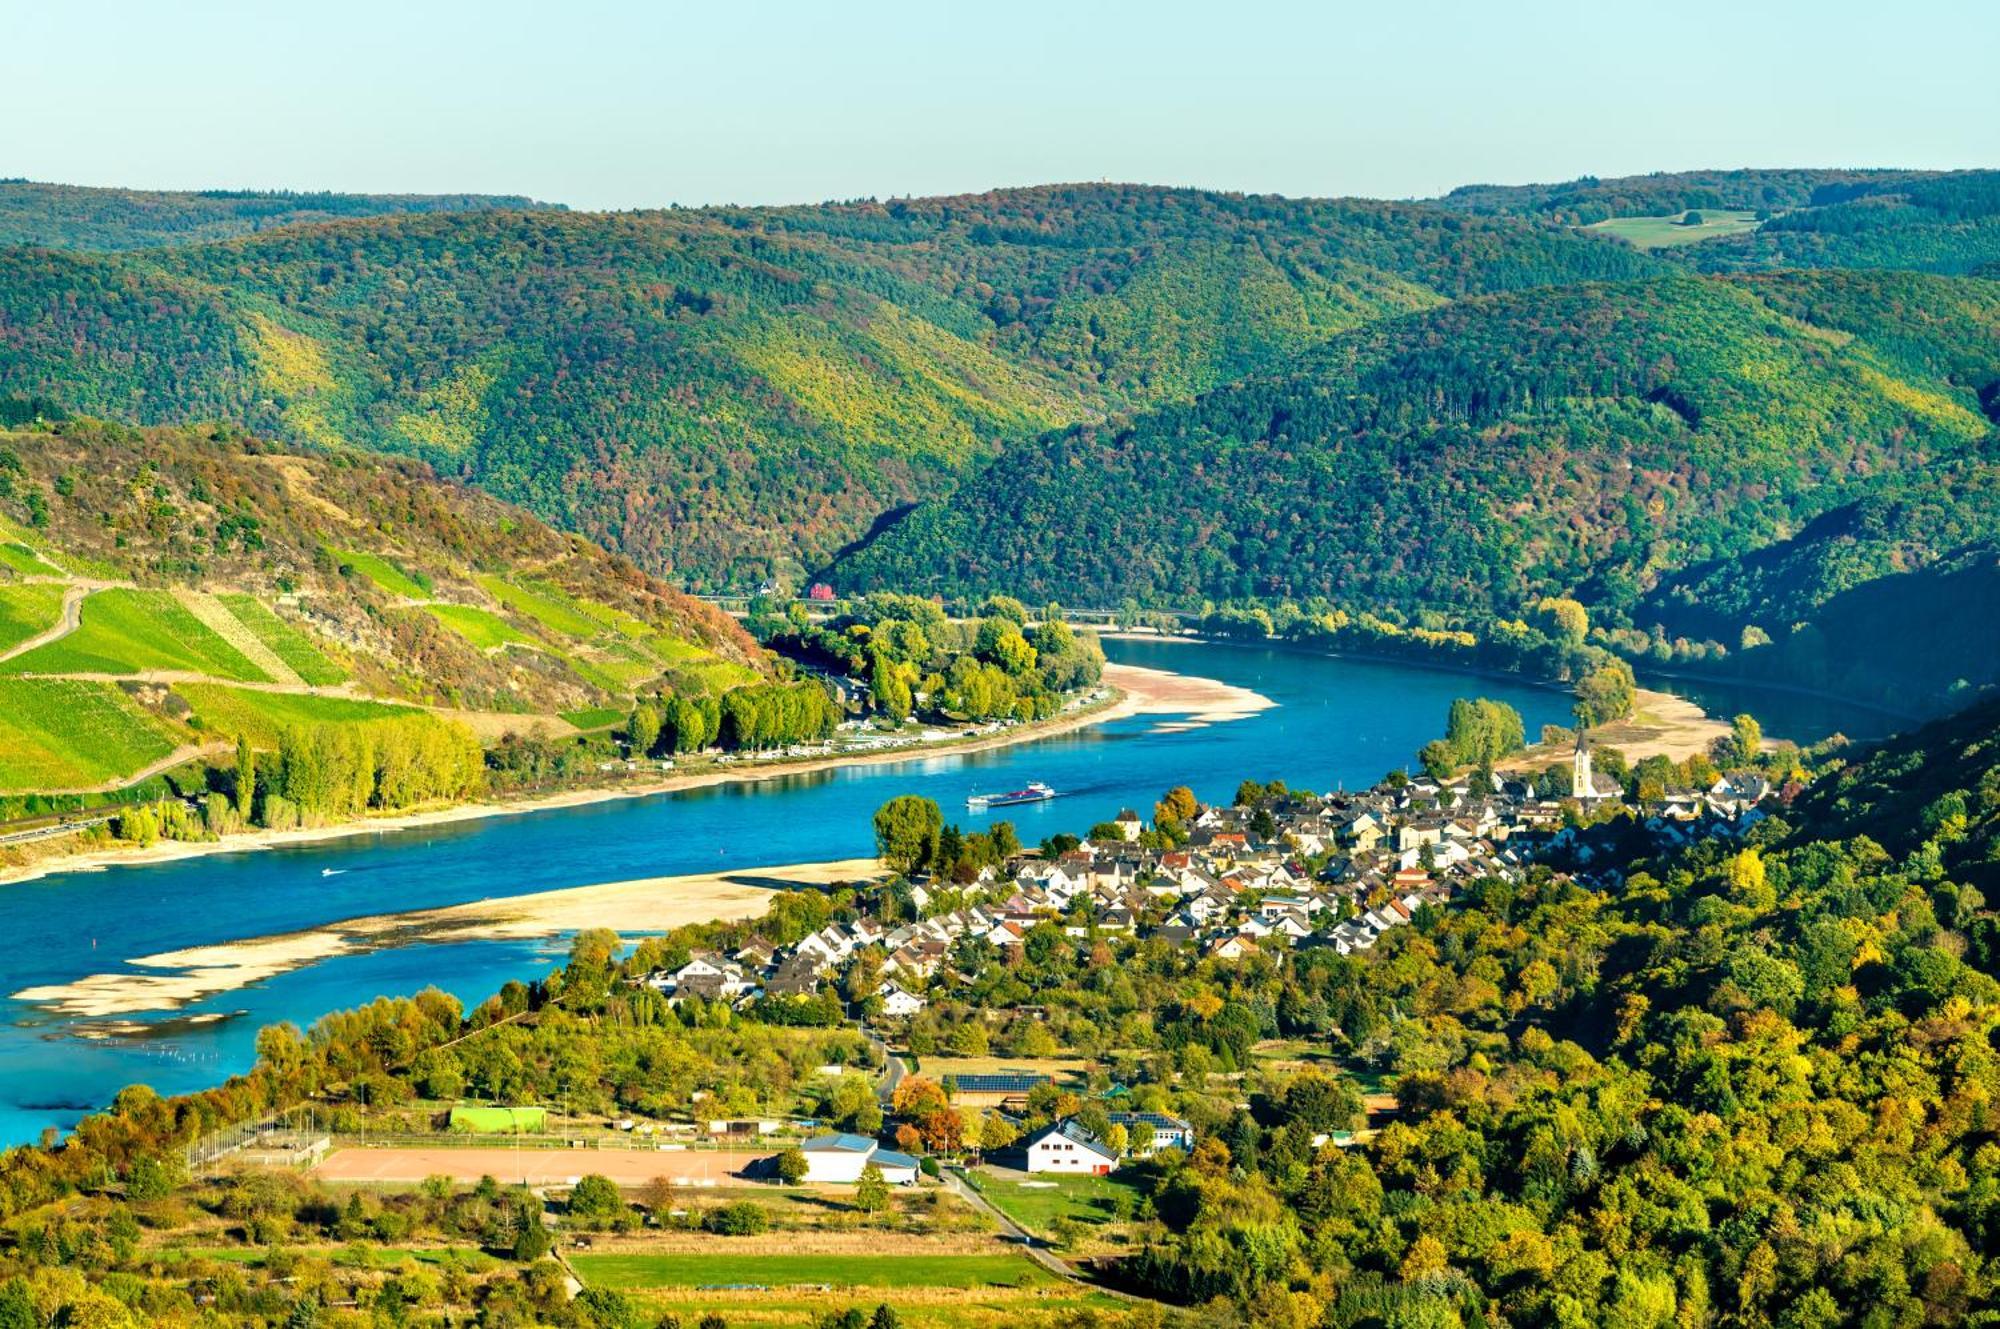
x=1336, y=723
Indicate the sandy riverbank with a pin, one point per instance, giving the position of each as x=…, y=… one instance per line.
x=1661, y=725
x=1136, y=691
x=172, y=979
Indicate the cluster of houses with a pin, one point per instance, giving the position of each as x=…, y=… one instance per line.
x=1336, y=870
x=1062, y=1147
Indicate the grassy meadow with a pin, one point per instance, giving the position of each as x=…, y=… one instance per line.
x=1663, y=232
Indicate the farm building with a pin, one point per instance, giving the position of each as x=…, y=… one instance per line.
x=1064, y=1147
x=841, y=1158
x=997, y=1088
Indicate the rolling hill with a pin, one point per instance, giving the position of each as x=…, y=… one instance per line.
x=80, y=217
x=731, y=394
x=1587, y=439
x=163, y=591
x=1926, y=221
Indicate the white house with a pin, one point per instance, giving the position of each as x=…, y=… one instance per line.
x=1066, y=1147
x=897, y=1003
x=841, y=1158
x=1150, y=1132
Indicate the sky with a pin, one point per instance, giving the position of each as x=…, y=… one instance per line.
x=630, y=103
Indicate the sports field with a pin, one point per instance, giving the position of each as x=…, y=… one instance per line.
x=537, y=1166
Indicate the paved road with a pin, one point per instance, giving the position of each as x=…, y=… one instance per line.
x=895, y=1068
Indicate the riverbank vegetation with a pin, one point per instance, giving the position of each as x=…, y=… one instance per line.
x=901, y=657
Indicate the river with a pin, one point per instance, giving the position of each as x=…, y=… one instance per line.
x=1336, y=723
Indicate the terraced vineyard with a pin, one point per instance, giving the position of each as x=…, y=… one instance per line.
x=129, y=631
x=290, y=644
x=60, y=734
x=203, y=621
x=220, y=709
x=27, y=610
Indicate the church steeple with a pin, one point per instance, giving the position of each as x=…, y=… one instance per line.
x=1580, y=783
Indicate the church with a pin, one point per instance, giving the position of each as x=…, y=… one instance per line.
x=1584, y=785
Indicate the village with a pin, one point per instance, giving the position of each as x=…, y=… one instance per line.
x=1276, y=873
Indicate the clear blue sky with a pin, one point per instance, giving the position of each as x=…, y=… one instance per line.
x=630, y=103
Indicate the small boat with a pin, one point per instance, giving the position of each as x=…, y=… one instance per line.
x=1036, y=792
x=331, y=872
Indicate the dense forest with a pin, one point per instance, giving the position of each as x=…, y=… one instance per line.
x=1430, y=413
x=1474, y=458
x=729, y=394
x=78, y=217
x=1590, y=199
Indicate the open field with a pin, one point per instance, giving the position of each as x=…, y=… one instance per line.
x=382, y=572
x=990, y=1307
x=59, y=734
x=26, y=611
x=231, y=711
x=720, y=1268
x=133, y=632
x=1036, y=1202
x=286, y=642
x=538, y=1167
x=1661, y=232
x=469, y=1258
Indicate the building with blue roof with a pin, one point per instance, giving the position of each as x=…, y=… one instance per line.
x=839, y=1158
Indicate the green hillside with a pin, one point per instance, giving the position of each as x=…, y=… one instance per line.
x=190, y=588
x=1946, y=223
x=80, y=217
x=727, y=395
x=1590, y=440
x=1591, y=199
x=1761, y=221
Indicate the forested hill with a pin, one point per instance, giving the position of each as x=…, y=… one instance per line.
x=1927, y=221
x=80, y=217
x=1591, y=199
x=1586, y=439
x=726, y=394
x=161, y=589
x=1946, y=223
